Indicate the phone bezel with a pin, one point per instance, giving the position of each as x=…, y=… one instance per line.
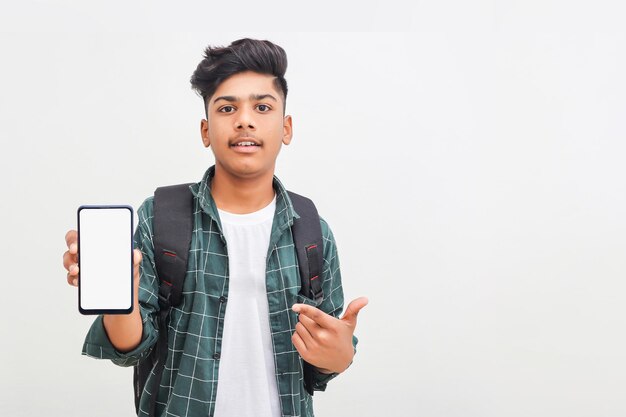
x=132, y=287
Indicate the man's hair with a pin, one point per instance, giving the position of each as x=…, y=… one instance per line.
x=245, y=54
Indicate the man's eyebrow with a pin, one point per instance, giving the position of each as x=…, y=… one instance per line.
x=252, y=97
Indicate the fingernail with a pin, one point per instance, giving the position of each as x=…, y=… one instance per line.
x=295, y=308
x=73, y=247
x=75, y=282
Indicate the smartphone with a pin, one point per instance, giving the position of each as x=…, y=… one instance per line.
x=105, y=259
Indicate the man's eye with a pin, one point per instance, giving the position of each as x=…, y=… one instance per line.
x=266, y=106
x=226, y=107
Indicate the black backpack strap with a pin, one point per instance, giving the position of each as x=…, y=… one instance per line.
x=172, y=228
x=307, y=236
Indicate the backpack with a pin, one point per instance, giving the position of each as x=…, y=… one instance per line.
x=172, y=227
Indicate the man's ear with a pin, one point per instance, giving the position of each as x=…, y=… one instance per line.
x=204, y=132
x=287, y=130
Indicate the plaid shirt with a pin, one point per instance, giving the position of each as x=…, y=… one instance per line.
x=188, y=385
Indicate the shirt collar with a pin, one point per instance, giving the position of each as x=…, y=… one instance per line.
x=285, y=212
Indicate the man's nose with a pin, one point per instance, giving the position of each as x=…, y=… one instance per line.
x=244, y=119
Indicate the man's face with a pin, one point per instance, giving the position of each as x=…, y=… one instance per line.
x=246, y=107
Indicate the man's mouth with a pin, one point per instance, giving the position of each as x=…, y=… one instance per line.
x=245, y=141
x=245, y=144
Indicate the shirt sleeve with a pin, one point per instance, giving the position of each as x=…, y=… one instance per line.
x=97, y=343
x=333, y=301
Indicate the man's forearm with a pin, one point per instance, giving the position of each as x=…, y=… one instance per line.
x=124, y=330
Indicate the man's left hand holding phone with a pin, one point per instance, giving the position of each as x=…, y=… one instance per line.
x=108, y=277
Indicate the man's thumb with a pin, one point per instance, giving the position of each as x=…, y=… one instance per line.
x=137, y=257
x=353, y=309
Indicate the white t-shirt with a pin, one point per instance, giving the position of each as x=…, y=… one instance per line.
x=247, y=373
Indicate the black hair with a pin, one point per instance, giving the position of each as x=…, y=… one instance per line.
x=219, y=63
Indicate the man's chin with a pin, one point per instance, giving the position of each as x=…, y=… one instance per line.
x=246, y=170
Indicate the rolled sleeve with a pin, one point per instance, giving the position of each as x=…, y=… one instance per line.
x=98, y=345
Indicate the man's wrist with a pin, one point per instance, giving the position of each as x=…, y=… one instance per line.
x=324, y=371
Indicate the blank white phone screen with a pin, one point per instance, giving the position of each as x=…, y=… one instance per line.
x=105, y=251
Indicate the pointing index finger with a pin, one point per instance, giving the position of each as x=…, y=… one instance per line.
x=315, y=314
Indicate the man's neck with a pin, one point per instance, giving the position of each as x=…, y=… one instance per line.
x=241, y=195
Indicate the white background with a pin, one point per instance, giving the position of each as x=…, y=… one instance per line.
x=471, y=168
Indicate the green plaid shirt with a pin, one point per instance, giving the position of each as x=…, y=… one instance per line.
x=188, y=385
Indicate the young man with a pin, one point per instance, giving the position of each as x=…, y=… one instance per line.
x=237, y=341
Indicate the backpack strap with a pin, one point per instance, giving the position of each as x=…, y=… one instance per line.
x=172, y=228
x=307, y=236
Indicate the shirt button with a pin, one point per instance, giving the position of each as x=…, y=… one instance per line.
x=222, y=299
x=216, y=356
